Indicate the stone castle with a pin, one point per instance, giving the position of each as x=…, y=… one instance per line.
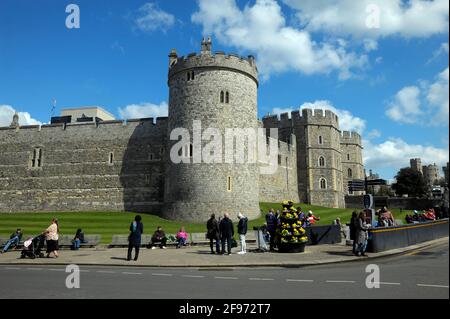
x=97, y=163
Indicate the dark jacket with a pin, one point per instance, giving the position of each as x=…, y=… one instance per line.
x=213, y=229
x=353, y=226
x=226, y=228
x=18, y=234
x=242, y=226
x=135, y=234
x=158, y=235
x=271, y=221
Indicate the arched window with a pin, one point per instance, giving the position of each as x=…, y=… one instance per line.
x=321, y=161
x=320, y=140
x=192, y=76
x=189, y=76
x=227, y=97
x=323, y=183
x=222, y=97
x=349, y=172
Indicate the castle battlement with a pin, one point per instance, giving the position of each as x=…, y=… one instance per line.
x=350, y=137
x=161, y=122
x=218, y=60
x=307, y=117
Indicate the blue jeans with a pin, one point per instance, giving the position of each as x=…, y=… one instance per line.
x=181, y=242
x=12, y=241
x=76, y=244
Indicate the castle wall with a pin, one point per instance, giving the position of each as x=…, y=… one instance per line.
x=282, y=184
x=76, y=173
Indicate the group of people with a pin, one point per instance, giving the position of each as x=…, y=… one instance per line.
x=273, y=220
x=385, y=217
x=419, y=217
x=221, y=233
x=51, y=235
x=158, y=238
x=359, y=227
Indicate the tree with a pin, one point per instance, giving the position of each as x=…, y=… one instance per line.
x=410, y=182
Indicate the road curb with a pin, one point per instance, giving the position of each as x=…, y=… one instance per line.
x=389, y=253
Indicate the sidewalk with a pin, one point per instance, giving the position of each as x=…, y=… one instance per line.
x=201, y=257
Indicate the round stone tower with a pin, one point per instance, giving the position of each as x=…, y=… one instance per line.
x=218, y=92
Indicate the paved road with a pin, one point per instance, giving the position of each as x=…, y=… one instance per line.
x=420, y=274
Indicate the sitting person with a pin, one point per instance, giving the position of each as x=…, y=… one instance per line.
x=387, y=216
x=409, y=219
x=14, y=239
x=159, y=236
x=182, y=237
x=429, y=215
x=78, y=239
x=311, y=218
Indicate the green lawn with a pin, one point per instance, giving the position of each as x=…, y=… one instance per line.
x=108, y=224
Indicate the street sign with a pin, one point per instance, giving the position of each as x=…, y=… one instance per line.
x=356, y=185
x=378, y=181
x=368, y=201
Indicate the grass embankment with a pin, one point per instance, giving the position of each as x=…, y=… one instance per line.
x=108, y=224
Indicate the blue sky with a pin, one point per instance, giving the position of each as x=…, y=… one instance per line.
x=389, y=82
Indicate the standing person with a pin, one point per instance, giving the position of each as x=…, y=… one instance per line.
x=213, y=233
x=226, y=233
x=51, y=237
x=182, y=237
x=134, y=239
x=271, y=221
x=242, y=231
x=353, y=226
x=14, y=239
x=311, y=218
x=361, y=235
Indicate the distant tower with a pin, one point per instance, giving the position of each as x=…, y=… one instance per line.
x=221, y=91
x=431, y=174
x=15, y=121
x=416, y=164
x=352, y=160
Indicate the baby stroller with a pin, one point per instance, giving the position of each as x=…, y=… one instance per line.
x=32, y=247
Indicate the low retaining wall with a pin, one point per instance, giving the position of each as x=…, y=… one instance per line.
x=329, y=234
x=408, y=203
x=386, y=238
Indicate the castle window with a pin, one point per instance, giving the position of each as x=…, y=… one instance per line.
x=111, y=158
x=349, y=172
x=229, y=186
x=147, y=179
x=279, y=159
x=320, y=140
x=348, y=157
x=222, y=97
x=192, y=76
x=189, y=76
x=321, y=161
x=227, y=97
x=323, y=183
x=36, y=160
x=152, y=157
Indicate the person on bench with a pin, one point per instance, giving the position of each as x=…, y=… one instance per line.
x=159, y=236
x=14, y=240
x=182, y=237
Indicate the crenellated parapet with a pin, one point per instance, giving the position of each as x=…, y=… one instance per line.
x=351, y=138
x=305, y=117
x=208, y=60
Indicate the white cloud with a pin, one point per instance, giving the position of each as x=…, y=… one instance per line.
x=426, y=104
x=395, y=153
x=151, y=18
x=370, y=45
x=262, y=29
x=347, y=121
x=7, y=113
x=413, y=18
x=144, y=110
x=438, y=98
x=373, y=134
x=443, y=50
x=405, y=108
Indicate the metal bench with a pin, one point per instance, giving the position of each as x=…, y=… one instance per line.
x=119, y=241
x=251, y=236
x=91, y=241
x=198, y=239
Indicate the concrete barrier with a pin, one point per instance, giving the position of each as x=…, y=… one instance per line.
x=386, y=238
x=329, y=234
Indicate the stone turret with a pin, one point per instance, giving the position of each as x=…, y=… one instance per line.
x=220, y=91
x=15, y=121
x=352, y=160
